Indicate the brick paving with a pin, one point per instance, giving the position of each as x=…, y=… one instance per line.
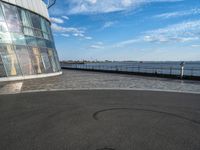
x=95, y=80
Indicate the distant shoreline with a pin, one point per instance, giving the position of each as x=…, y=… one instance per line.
x=107, y=61
x=174, y=70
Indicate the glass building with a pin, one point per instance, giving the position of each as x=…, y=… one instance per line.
x=27, y=48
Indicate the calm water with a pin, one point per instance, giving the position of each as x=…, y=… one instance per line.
x=190, y=68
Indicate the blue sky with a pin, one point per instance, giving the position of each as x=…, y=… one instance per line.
x=137, y=30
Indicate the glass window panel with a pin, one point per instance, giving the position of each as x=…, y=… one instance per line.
x=48, y=44
x=36, y=21
x=25, y=18
x=5, y=37
x=45, y=35
x=10, y=13
x=41, y=42
x=43, y=50
x=36, y=60
x=24, y=60
x=53, y=44
x=38, y=33
x=51, y=37
x=10, y=61
x=3, y=27
x=11, y=16
x=52, y=60
x=4, y=51
x=1, y=14
x=45, y=60
x=28, y=31
x=43, y=25
x=18, y=39
x=31, y=41
x=57, y=60
x=2, y=70
x=11, y=65
x=14, y=27
x=48, y=27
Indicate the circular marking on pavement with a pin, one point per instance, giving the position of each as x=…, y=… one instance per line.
x=96, y=114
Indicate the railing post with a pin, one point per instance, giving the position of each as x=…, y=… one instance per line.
x=116, y=68
x=192, y=70
x=170, y=70
x=182, y=72
x=182, y=69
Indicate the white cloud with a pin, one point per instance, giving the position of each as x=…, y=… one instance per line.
x=88, y=38
x=126, y=2
x=92, y=1
x=56, y=20
x=126, y=42
x=195, y=11
x=196, y=45
x=106, y=6
x=108, y=24
x=97, y=45
x=65, y=17
x=58, y=28
x=181, y=32
x=65, y=35
x=76, y=32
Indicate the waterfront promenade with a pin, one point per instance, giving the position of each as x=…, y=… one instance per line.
x=83, y=80
x=100, y=111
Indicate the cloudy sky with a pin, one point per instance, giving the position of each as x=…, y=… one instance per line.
x=156, y=30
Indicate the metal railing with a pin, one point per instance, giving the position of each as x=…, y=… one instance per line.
x=175, y=71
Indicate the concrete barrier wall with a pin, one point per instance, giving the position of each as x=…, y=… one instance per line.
x=37, y=6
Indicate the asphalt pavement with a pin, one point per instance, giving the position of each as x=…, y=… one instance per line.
x=100, y=120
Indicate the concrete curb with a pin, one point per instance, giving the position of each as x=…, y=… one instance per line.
x=93, y=89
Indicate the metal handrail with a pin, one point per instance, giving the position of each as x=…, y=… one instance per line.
x=137, y=69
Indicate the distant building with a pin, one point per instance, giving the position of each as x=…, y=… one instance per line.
x=27, y=48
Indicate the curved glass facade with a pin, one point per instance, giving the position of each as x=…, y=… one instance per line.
x=26, y=43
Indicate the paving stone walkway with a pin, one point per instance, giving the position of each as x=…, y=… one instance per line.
x=95, y=80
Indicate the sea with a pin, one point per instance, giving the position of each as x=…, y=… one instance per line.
x=191, y=68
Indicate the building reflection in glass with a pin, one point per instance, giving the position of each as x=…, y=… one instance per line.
x=26, y=43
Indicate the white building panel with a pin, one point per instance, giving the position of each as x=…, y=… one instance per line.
x=19, y=3
x=44, y=10
x=5, y=0
x=25, y=3
x=40, y=8
x=12, y=1
x=37, y=6
x=29, y=4
x=34, y=6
